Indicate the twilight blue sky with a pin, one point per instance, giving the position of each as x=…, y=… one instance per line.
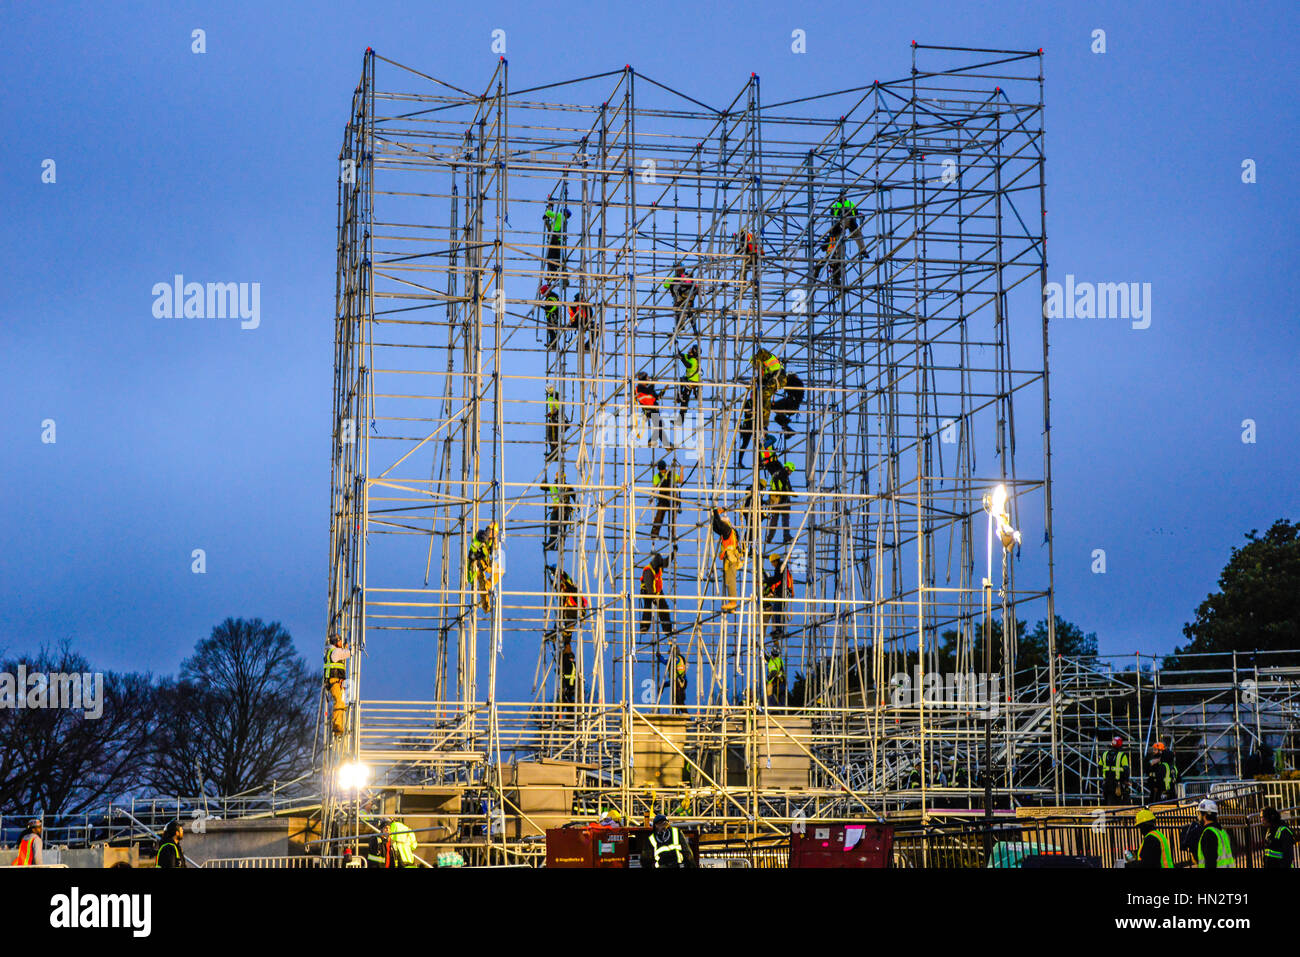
x=180, y=435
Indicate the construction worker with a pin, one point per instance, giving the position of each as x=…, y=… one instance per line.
x=771, y=377
x=559, y=496
x=666, y=482
x=1213, y=849
x=554, y=422
x=666, y=847
x=379, y=851
x=679, y=677
x=570, y=603
x=1155, y=850
x=844, y=220
x=1279, y=851
x=551, y=314
x=482, y=563
x=170, y=853
x=582, y=322
x=747, y=249
x=778, y=499
x=553, y=221
x=777, y=589
x=728, y=553
x=1160, y=776
x=1114, y=773
x=790, y=401
x=647, y=396
x=404, y=843
x=31, y=845
x=690, y=387
x=681, y=286
x=775, y=676
x=568, y=672
x=336, y=657
x=652, y=596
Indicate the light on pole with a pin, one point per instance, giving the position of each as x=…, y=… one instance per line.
x=999, y=523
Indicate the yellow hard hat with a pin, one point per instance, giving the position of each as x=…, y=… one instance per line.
x=615, y=816
x=1144, y=816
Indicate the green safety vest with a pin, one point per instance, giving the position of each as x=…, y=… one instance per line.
x=1112, y=763
x=1225, y=848
x=554, y=220
x=553, y=303
x=771, y=364
x=1277, y=836
x=674, y=846
x=843, y=207
x=404, y=841
x=1166, y=774
x=333, y=669
x=1166, y=855
x=692, y=369
x=158, y=860
x=775, y=665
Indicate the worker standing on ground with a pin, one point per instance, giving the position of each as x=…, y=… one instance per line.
x=681, y=286
x=747, y=249
x=1114, y=773
x=554, y=422
x=653, y=602
x=1213, y=849
x=404, y=843
x=690, y=387
x=666, y=848
x=728, y=553
x=379, y=850
x=170, y=853
x=1279, y=851
x=336, y=657
x=790, y=401
x=1155, y=850
x=553, y=226
x=666, y=483
x=31, y=846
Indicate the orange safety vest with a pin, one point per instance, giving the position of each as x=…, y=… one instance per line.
x=728, y=542
x=646, y=398
x=659, y=579
x=24, y=858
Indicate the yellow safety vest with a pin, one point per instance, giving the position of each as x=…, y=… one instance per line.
x=1225, y=848
x=1166, y=855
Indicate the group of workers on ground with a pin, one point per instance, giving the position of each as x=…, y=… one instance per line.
x=1161, y=776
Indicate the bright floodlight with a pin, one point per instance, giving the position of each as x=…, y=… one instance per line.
x=353, y=776
x=999, y=500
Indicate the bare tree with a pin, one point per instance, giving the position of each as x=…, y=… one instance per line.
x=239, y=717
x=63, y=760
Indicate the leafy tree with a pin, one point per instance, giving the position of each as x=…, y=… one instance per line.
x=240, y=715
x=1257, y=606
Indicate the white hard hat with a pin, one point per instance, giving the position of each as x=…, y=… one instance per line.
x=1208, y=806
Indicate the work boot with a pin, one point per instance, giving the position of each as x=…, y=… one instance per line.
x=784, y=422
x=728, y=606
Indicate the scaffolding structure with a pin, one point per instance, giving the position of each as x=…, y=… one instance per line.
x=522, y=277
